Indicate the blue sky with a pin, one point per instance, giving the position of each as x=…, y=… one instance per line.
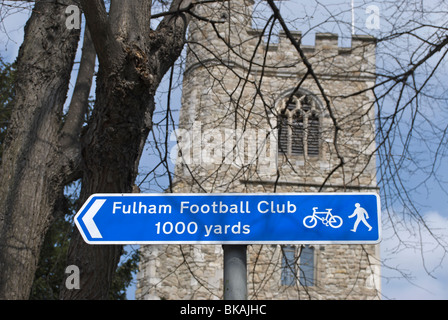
x=419, y=257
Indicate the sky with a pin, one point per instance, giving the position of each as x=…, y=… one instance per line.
x=424, y=265
x=416, y=267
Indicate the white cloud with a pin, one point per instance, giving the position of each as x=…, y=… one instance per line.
x=419, y=258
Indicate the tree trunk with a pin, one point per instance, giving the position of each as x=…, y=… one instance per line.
x=133, y=59
x=30, y=173
x=111, y=147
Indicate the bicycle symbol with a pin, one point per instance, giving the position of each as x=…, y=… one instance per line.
x=329, y=219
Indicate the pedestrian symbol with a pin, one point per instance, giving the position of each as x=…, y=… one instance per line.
x=361, y=215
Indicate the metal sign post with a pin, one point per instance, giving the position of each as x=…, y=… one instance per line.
x=235, y=272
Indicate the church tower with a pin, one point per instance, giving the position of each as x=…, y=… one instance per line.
x=255, y=119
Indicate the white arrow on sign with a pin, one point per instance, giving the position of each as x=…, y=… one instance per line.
x=88, y=218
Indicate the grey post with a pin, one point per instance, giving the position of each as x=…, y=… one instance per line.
x=235, y=272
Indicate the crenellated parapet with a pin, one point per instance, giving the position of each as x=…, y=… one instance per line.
x=218, y=40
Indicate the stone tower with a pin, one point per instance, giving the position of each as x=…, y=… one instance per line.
x=254, y=120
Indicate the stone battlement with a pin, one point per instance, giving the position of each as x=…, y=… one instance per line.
x=323, y=41
x=233, y=44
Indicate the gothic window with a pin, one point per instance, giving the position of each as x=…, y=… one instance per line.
x=288, y=277
x=299, y=267
x=299, y=126
x=306, y=266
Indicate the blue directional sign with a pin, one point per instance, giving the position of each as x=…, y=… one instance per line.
x=305, y=218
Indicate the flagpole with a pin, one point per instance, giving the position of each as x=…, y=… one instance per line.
x=353, y=17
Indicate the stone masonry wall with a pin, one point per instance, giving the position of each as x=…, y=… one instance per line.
x=233, y=90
